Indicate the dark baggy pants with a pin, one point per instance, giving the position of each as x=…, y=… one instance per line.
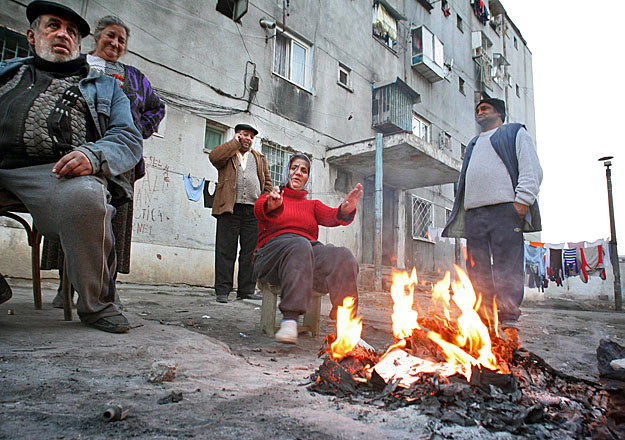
x=495, y=257
x=298, y=265
x=240, y=226
x=77, y=213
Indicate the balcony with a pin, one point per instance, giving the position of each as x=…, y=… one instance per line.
x=392, y=106
x=408, y=161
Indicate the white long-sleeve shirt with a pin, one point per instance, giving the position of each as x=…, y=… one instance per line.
x=488, y=181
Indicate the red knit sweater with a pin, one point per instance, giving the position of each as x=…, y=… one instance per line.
x=297, y=215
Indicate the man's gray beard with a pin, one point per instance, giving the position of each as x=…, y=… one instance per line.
x=47, y=54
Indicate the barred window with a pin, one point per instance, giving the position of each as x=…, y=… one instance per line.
x=276, y=157
x=12, y=45
x=421, y=218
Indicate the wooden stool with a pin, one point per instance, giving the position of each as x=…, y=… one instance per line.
x=271, y=292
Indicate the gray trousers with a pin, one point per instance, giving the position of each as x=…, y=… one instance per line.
x=495, y=257
x=77, y=213
x=298, y=265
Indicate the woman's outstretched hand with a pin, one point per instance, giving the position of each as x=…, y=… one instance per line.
x=274, y=199
x=349, y=204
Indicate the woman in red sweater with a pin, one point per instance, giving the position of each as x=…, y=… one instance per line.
x=289, y=254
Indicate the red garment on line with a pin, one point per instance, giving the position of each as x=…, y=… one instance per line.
x=297, y=215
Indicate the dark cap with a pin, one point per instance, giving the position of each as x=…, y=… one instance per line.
x=38, y=7
x=240, y=127
x=498, y=105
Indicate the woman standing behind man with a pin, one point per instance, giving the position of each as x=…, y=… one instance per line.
x=111, y=36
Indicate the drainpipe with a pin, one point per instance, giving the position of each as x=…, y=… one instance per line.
x=378, y=200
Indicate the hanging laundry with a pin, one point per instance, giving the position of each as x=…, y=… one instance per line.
x=591, y=262
x=194, y=193
x=576, y=245
x=571, y=267
x=548, y=254
x=605, y=249
x=535, y=266
x=208, y=197
x=535, y=256
x=554, y=269
x=537, y=244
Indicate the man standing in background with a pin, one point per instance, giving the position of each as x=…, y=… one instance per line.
x=243, y=177
x=495, y=203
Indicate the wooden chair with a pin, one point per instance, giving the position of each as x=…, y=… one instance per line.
x=12, y=207
x=271, y=292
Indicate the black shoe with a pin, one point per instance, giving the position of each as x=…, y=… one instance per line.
x=222, y=299
x=251, y=296
x=5, y=290
x=112, y=324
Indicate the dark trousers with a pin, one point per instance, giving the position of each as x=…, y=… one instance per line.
x=239, y=227
x=495, y=257
x=298, y=265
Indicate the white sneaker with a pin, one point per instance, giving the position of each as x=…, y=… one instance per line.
x=288, y=332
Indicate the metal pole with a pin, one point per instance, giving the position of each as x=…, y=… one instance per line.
x=618, y=300
x=378, y=200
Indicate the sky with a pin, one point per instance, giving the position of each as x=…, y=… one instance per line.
x=578, y=94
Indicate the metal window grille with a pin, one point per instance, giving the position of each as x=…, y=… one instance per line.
x=276, y=158
x=421, y=218
x=13, y=45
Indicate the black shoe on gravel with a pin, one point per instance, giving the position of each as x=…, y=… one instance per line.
x=112, y=324
x=251, y=296
x=222, y=299
x=5, y=290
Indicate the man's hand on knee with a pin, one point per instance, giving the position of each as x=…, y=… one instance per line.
x=73, y=164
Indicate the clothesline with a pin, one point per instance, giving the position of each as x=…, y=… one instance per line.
x=167, y=170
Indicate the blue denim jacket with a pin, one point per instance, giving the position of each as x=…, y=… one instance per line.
x=120, y=145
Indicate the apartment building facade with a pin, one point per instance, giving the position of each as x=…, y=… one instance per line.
x=319, y=77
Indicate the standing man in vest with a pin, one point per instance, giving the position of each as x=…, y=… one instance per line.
x=495, y=203
x=243, y=177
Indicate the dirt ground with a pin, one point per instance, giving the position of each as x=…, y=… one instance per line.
x=56, y=377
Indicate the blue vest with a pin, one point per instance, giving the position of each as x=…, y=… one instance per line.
x=504, y=143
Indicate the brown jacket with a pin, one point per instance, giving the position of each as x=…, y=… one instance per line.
x=224, y=158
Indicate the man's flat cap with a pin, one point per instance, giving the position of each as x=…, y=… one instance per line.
x=38, y=7
x=240, y=127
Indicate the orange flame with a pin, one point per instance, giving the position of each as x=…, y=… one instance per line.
x=348, y=329
x=404, y=317
x=469, y=343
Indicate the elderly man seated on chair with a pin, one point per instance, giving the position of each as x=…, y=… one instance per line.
x=66, y=138
x=288, y=252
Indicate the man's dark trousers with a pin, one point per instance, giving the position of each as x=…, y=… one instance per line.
x=240, y=226
x=495, y=257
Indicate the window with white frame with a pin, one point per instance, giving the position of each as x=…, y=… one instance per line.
x=421, y=128
x=292, y=59
x=345, y=76
x=422, y=218
x=213, y=136
x=276, y=158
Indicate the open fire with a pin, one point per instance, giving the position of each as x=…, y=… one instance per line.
x=450, y=355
